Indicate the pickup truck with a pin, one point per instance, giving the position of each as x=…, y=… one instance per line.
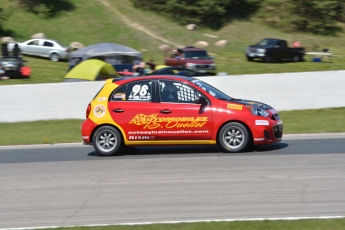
x=196, y=59
x=270, y=49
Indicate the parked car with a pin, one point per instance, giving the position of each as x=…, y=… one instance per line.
x=175, y=110
x=47, y=48
x=196, y=59
x=271, y=49
x=14, y=67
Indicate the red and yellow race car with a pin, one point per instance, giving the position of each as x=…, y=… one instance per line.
x=175, y=110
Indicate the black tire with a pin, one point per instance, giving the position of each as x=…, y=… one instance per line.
x=250, y=58
x=54, y=57
x=296, y=58
x=107, y=141
x=268, y=59
x=234, y=137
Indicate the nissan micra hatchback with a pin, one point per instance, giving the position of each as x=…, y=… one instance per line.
x=175, y=110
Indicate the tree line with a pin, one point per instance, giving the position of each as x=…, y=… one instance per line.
x=314, y=16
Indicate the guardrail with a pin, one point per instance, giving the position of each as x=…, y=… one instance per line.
x=286, y=91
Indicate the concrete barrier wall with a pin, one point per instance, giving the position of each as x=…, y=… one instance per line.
x=287, y=91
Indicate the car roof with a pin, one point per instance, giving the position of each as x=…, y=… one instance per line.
x=45, y=39
x=152, y=77
x=276, y=39
x=4, y=57
x=192, y=49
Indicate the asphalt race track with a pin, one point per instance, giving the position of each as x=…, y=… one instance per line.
x=62, y=185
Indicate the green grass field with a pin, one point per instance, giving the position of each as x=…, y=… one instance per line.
x=81, y=24
x=307, y=224
x=68, y=131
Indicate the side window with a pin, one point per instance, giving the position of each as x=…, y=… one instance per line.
x=140, y=91
x=33, y=43
x=48, y=44
x=175, y=91
x=119, y=94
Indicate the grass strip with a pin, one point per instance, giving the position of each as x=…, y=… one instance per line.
x=330, y=120
x=305, y=224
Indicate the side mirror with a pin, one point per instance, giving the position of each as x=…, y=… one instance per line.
x=202, y=101
x=212, y=57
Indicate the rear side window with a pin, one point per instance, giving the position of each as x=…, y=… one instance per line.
x=139, y=91
x=48, y=44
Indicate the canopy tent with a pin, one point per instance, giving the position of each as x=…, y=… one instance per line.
x=121, y=57
x=91, y=70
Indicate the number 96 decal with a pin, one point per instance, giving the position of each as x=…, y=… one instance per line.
x=140, y=92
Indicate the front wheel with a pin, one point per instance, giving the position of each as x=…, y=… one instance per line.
x=250, y=58
x=107, y=141
x=267, y=59
x=54, y=57
x=234, y=137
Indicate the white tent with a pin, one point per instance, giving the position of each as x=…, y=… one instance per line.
x=111, y=53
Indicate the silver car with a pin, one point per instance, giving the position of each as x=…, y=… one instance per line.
x=42, y=47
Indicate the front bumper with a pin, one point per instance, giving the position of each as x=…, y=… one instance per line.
x=265, y=130
x=203, y=68
x=255, y=55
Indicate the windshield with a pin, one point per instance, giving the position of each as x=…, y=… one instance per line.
x=211, y=90
x=266, y=42
x=196, y=54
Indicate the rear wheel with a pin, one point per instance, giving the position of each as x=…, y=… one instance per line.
x=54, y=57
x=107, y=141
x=234, y=137
x=296, y=58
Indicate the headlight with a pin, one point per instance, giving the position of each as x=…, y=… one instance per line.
x=190, y=65
x=212, y=65
x=257, y=111
x=261, y=50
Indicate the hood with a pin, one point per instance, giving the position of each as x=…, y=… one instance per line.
x=202, y=61
x=254, y=103
x=259, y=47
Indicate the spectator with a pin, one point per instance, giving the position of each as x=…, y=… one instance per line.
x=296, y=44
x=16, y=51
x=135, y=65
x=152, y=64
x=139, y=67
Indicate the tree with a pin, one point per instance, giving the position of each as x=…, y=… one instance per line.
x=209, y=13
x=318, y=17
x=46, y=8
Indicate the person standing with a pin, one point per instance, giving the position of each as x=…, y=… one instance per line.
x=16, y=51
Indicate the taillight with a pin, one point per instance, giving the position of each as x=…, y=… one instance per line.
x=88, y=110
x=67, y=50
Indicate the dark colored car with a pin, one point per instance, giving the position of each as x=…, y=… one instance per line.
x=196, y=59
x=177, y=70
x=14, y=67
x=272, y=49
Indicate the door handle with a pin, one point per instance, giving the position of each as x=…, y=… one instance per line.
x=118, y=110
x=165, y=111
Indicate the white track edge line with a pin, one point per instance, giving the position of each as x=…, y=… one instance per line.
x=178, y=222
